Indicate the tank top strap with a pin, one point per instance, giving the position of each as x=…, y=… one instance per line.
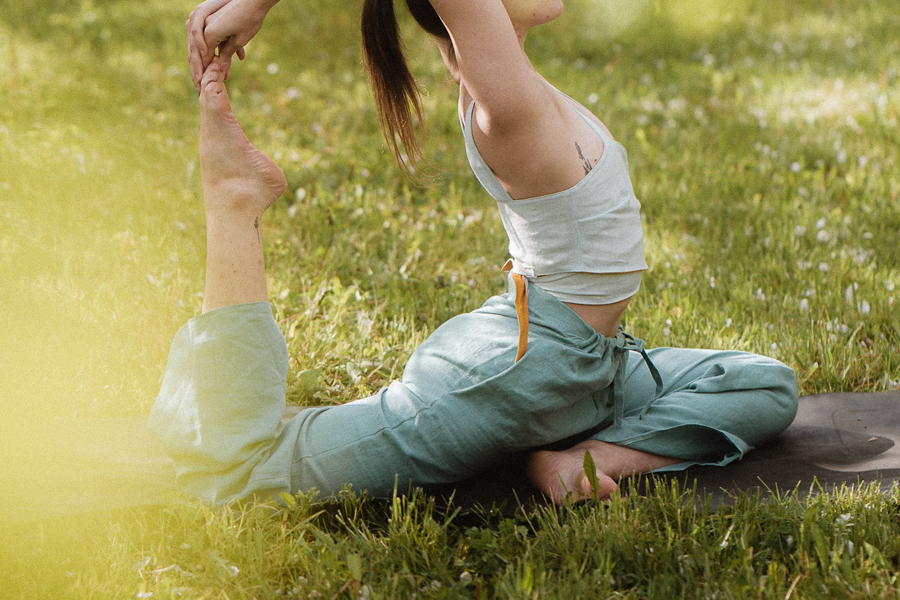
x=599, y=130
x=482, y=171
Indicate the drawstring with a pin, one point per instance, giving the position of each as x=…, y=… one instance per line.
x=521, y=308
x=625, y=343
x=521, y=313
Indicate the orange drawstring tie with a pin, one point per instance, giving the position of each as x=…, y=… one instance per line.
x=521, y=309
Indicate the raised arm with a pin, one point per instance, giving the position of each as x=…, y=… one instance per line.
x=489, y=52
x=482, y=41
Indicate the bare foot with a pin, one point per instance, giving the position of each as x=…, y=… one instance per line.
x=561, y=474
x=236, y=176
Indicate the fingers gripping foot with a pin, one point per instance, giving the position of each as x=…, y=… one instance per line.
x=236, y=176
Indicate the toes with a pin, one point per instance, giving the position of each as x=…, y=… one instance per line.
x=214, y=96
x=605, y=486
x=214, y=90
x=212, y=82
x=212, y=73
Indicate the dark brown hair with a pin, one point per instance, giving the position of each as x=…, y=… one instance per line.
x=393, y=86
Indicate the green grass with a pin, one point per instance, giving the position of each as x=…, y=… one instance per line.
x=664, y=545
x=763, y=140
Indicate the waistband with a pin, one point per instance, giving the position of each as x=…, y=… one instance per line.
x=624, y=342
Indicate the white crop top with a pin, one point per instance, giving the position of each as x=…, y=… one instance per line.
x=584, y=245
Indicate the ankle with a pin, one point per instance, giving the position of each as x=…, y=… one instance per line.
x=229, y=202
x=621, y=461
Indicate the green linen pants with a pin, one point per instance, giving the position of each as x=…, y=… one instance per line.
x=462, y=405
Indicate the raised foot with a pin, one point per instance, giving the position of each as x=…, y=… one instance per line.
x=236, y=176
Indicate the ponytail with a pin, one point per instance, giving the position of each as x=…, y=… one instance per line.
x=393, y=86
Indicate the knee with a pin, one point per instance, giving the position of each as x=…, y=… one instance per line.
x=766, y=389
x=786, y=391
x=778, y=384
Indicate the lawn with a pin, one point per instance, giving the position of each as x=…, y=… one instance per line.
x=763, y=142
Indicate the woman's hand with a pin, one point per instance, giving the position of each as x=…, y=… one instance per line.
x=224, y=24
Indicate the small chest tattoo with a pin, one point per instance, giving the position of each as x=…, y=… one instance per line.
x=585, y=162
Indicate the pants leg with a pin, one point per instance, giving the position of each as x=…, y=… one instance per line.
x=462, y=405
x=219, y=409
x=714, y=406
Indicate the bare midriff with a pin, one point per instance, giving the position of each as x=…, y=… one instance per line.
x=604, y=318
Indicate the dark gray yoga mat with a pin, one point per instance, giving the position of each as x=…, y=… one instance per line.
x=837, y=438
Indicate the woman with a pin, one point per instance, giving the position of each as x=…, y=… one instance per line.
x=545, y=362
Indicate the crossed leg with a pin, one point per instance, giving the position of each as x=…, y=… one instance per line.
x=715, y=406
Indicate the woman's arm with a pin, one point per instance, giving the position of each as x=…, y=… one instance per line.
x=493, y=66
x=526, y=132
